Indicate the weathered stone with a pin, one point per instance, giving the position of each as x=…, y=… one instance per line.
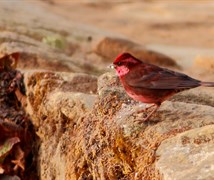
x=37, y=55
x=200, y=95
x=89, y=133
x=57, y=103
x=49, y=90
x=108, y=134
x=189, y=155
x=111, y=47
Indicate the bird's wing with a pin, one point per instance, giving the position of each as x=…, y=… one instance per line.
x=154, y=77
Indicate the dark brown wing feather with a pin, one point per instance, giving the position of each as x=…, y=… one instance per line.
x=153, y=77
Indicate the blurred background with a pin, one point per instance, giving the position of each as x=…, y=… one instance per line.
x=182, y=30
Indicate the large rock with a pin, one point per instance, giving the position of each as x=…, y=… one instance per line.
x=37, y=54
x=57, y=103
x=189, y=155
x=111, y=47
x=89, y=134
x=47, y=91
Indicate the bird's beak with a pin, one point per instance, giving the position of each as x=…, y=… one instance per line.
x=111, y=66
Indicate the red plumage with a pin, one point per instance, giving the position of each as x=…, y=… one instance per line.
x=149, y=83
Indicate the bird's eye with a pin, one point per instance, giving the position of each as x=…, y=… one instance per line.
x=119, y=63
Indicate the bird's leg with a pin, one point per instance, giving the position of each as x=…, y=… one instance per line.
x=145, y=109
x=151, y=113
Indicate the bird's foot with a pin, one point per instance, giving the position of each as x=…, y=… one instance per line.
x=145, y=109
x=145, y=119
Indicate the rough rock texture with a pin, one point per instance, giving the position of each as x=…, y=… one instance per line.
x=189, y=155
x=57, y=103
x=87, y=134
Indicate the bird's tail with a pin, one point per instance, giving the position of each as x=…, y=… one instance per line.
x=207, y=84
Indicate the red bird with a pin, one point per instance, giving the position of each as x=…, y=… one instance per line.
x=151, y=84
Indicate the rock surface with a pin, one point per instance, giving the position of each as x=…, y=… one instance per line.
x=110, y=47
x=87, y=126
x=57, y=103
x=98, y=134
x=189, y=155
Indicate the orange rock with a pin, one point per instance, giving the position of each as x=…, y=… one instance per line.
x=110, y=47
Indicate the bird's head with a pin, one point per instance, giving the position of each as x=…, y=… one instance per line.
x=124, y=62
